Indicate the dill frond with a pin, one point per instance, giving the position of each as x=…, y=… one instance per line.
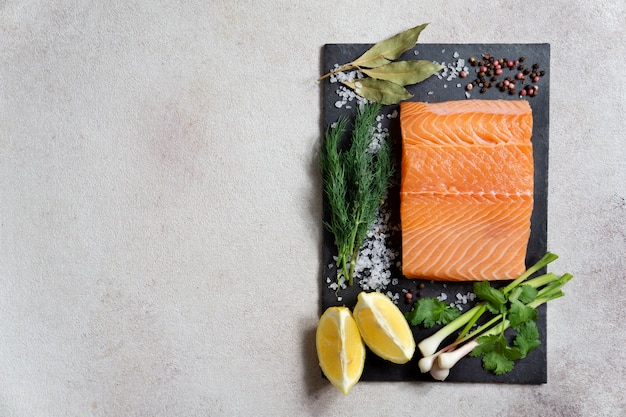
x=355, y=182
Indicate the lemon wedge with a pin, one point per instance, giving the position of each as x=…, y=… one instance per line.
x=383, y=327
x=340, y=349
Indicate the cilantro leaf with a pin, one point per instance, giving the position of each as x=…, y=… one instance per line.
x=495, y=298
x=528, y=294
x=520, y=313
x=498, y=357
x=527, y=338
x=486, y=344
x=430, y=311
x=497, y=363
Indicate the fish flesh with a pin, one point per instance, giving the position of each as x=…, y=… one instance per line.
x=466, y=191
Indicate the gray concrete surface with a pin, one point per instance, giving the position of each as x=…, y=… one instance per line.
x=160, y=206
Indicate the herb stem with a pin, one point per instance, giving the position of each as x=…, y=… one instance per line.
x=344, y=67
x=545, y=260
x=473, y=320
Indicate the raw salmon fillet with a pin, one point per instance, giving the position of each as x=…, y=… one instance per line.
x=466, y=193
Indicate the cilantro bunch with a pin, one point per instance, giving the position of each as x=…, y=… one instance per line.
x=512, y=307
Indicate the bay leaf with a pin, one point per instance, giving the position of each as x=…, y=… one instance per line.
x=379, y=91
x=404, y=72
x=385, y=51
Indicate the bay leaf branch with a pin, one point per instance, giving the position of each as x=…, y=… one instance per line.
x=404, y=72
x=383, y=52
x=379, y=91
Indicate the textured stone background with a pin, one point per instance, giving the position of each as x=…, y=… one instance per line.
x=160, y=206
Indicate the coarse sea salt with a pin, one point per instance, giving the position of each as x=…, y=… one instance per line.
x=346, y=95
x=461, y=300
x=452, y=69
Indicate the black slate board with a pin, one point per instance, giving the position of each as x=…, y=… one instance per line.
x=532, y=369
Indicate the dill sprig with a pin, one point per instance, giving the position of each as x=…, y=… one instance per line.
x=356, y=178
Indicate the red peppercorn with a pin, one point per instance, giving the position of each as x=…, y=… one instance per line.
x=509, y=64
x=522, y=93
x=519, y=75
x=408, y=296
x=463, y=74
x=469, y=87
x=535, y=79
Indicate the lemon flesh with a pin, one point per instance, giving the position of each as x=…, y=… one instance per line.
x=340, y=349
x=383, y=327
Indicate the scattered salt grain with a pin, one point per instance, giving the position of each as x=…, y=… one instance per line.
x=346, y=95
x=452, y=70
